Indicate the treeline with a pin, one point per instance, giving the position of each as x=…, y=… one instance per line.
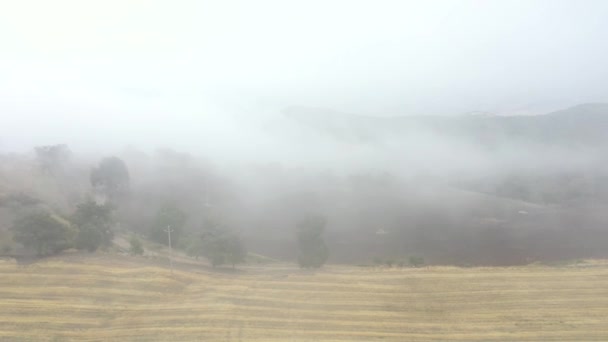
x=224, y=211
x=110, y=203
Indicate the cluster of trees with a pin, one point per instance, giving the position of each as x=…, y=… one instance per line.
x=89, y=228
x=222, y=246
x=43, y=233
x=111, y=178
x=91, y=225
x=94, y=223
x=52, y=158
x=506, y=217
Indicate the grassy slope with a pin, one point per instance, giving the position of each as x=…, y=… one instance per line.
x=128, y=299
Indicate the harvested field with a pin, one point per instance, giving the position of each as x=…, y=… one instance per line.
x=111, y=299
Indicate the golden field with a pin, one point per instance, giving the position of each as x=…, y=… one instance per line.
x=102, y=298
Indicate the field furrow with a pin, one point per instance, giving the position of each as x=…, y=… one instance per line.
x=96, y=300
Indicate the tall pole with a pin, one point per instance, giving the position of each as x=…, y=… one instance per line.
x=169, y=231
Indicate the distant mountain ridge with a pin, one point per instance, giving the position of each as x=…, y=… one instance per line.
x=582, y=125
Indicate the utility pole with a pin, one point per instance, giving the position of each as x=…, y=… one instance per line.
x=169, y=231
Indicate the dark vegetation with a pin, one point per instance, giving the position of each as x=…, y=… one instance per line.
x=111, y=177
x=313, y=250
x=222, y=246
x=136, y=247
x=547, y=203
x=94, y=223
x=168, y=216
x=43, y=233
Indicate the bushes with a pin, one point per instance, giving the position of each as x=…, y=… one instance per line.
x=378, y=261
x=136, y=246
x=43, y=233
x=220, y=246
x=89, y=237
x=94, y=223
x=416, y=261
x=47, y=234
x=313, y=250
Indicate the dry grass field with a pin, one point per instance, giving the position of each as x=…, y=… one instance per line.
x=130, y=299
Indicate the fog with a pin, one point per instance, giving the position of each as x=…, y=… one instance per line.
x=470, y=132
x=198, y=73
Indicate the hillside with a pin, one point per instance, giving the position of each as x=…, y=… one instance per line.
x=482, y=189
x=130, y=299
x=584, y=125
x=535, y=190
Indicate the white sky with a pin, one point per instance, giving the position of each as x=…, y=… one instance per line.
x=194, y=72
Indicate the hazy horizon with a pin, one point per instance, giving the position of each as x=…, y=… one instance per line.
x=104, y=75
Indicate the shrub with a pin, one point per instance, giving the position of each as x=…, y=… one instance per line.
x=43, y=233
x=220, y=246
x=94, y=224
x=313, y=250
x=136, y=246
x=416, y=261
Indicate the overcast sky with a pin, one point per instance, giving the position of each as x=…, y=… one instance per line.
x=177, y=72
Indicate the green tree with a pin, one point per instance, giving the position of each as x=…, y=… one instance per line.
x=94, y=224
x=194, y=247
x=168, y=215
x=136, y=246
x=52, y=158
x=416, y=261
x=235, y=250
x=313, y=250
x=221, y=246
x=43, y=233
x=111, y=177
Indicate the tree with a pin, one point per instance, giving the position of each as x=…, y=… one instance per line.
x=52, y=157
x=136, y=246
x=43, y=233
x=194, y=247
x=94, y=224
x=235, y=250
x=416, y=261
x=168, y=215
x=111, y=177
x=313, y=250
x=221, y=246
